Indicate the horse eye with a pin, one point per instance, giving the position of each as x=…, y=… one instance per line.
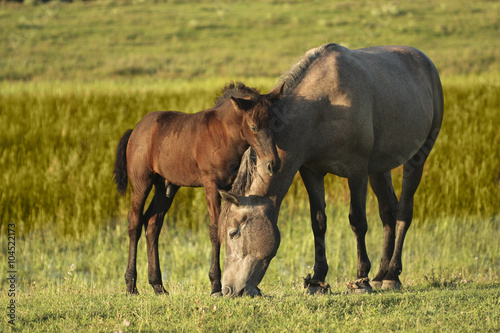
x=235, y=233
x=253, y=128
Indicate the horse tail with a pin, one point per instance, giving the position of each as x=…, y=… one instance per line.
x=120, y=173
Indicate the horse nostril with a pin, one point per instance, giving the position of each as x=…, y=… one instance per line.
x=270, y=169
x=227, y=291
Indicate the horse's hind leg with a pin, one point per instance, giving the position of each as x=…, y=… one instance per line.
x=315, y=186
x=154, y=217
x=381, y=184
x=136, y=220
x=358, y=185
x=412, y=174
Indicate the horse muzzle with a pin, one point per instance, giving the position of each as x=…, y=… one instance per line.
x=229, y=291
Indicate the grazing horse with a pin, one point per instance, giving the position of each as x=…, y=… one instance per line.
x=174, y=149
x=353, y=113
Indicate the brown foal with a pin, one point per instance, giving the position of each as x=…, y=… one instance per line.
x=174, y=149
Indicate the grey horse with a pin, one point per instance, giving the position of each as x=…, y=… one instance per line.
x=353, y=113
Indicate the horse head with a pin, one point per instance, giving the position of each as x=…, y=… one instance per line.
x=252, y=240
x=256, y=127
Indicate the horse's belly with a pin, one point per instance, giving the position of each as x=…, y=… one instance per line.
x=180, y=172
x=397, y=152
x=398, y=140
x=356, y=152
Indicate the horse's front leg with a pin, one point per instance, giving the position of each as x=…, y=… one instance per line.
x=213, y=202
x=315, y=186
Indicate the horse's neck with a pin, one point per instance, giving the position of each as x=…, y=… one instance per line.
x=231, y=121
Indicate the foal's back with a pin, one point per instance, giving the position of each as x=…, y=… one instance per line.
x=169, y=141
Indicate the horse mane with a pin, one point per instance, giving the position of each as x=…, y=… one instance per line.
x=240, y=185
x=297, y=72
x=235, y=89
x=245, y=174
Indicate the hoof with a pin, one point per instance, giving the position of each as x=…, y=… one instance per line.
x=376, y=284
x=131, y=287
x=391, y=284
x=315, y=286
x=312, y=290
x=216, y=294
x=359, y=286
x=159, y=290
x=253, y=293
x=132, y=291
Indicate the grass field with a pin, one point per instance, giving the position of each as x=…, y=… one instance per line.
x=450, y=283
x=75, y=76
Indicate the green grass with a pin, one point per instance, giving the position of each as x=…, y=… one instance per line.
x=74, y=77
x=472, y=307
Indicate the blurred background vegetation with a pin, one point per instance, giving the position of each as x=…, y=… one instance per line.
x=95, y=40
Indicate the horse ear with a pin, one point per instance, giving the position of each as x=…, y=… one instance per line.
x=229, y=197
x=242, y=104
x=276, y=93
